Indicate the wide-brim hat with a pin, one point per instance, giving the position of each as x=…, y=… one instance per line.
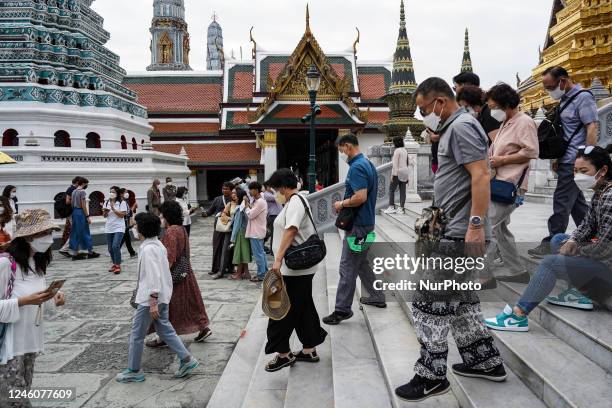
x=32, y=222
x=275, y=300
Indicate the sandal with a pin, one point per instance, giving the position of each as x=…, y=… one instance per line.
x=278, y=363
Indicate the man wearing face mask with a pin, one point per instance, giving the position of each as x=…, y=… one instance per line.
x=579, y=123
x=462, y=191
x=169, y=191
x=360, y=195
x=216, y=208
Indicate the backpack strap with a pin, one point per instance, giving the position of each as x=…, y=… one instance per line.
x=11, y=283
x=307, y=210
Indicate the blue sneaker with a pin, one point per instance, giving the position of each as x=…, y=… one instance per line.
x=127, y=376
x=508, y=321
x=571, y=298
x=186, y=368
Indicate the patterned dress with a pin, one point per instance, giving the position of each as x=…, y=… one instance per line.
x=186, y=309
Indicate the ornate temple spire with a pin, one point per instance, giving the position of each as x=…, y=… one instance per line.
x=402, y=79
x=214, y=60
x=466, y=64
x=170, y=42
x=308, y=19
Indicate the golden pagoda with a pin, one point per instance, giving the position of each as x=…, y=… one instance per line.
x=579, y=39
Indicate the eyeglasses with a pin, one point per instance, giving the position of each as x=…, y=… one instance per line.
x=422, y=112
x=586, y=150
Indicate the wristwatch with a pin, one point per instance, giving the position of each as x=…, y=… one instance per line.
x=475, y=221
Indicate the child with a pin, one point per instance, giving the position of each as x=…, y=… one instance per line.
x=153, y=295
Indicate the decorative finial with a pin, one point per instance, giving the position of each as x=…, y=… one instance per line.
x=254, y=52
x=356, y=42
x=214, y=16
x=402, y=16
x=518, y=80
x=466, y=64
x=307, y=19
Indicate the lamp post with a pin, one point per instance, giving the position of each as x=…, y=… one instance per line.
x=313, y=82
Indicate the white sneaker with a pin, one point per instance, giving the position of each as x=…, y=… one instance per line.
x=390, y=210
x=401, y=210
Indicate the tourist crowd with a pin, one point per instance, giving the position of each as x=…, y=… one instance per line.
x=482, y=146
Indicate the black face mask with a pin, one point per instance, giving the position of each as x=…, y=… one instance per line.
x=85, y=187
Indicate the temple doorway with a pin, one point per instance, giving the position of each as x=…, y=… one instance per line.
x=292, y=152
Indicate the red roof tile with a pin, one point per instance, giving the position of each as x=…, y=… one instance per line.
x=218, y=153
x=377, y=117
x=372, y=86
x=161, y=128
x=243, y=85
x=178, y=97
x=339, y=70
x=274, y=69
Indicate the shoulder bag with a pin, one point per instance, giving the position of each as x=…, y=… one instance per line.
x=180, y=269
x=310, y=252
x=7, y=295
x=504, y=192
x=551, y=136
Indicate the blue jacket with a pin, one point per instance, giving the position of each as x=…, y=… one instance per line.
x=239, y=222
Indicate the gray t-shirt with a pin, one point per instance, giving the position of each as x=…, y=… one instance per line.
x=77, y=196
x=462, y=142
x=582, y=111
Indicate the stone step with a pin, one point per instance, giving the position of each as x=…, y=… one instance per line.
x=357, y=377
x=557, y=373
x=546, y=364
x=588, y=332
x=467, y=392
x=311, y=385
x=232, y=387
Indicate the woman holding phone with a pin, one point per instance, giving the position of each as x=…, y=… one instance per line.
x=115, y=210
x=23, y=290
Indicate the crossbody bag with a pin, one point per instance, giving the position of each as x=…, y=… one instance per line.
x=310, y=252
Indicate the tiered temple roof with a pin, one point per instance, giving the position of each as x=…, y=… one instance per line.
x=466, y=62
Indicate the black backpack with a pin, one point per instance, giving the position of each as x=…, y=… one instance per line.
x=553, y=144
x=61, y=208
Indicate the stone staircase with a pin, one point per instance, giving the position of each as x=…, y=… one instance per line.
x=544, y=194
x=565, y=360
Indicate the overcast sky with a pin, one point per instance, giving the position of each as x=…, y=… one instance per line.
x=504, y=34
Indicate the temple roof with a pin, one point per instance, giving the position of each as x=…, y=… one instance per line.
x=403, y=79
x=182, y=130
x=287, y=114
x=217, y=154
x=466, y=62
x=374, y=81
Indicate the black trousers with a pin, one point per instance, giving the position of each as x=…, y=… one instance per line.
x=302, y=317
x=567, y=200
x=127, y=240
x=395, y=183
x=188, y=229
x=217, y=242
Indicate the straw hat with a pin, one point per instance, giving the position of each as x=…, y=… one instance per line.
x=32, y=222
x=275, y=301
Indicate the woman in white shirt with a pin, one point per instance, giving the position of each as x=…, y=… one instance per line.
x=181, y=198
x=10, y=192
x=115, y=209
x=399, y=176
x=22, y=293
x=293, y=226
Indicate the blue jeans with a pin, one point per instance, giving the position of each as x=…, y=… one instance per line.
x=555, y=267
x=257, y=249
x=114, y=241
x=80, y=237
x=165, y=331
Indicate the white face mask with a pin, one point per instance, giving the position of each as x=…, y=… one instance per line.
x=135, y=232
x=112, y=195
x=126, y=196
x=42, y=244
x=344, y=157
x=13, y=194
x=280, y=198
x=472, y=112
x=585, y=181
x=498, y=114
x=169, y=183
x=432, y=121
x=557, y=93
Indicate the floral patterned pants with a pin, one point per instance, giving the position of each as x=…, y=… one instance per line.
x=16, y=373
x=433, y=321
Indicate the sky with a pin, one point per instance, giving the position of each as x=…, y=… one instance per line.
x=504, y=35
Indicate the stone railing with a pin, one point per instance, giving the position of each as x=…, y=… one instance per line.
x=322, y=202
x=605, y=124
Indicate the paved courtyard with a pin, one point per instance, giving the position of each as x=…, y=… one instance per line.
x=87, y=340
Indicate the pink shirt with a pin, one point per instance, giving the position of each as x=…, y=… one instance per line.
x=257, y=215
x=517, y=135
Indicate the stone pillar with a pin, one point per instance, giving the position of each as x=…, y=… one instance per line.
x=412, y=146
x=343, y=166
x=269, y=152
x=192, y=186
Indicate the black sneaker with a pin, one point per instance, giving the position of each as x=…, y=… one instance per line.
x=336, y=318
x=497, y=373
x=79, y=257
x=420, y=388
x=65, y=253
x=519, y=278
x=203, y=335
x=93, y=255
x=371, y=302
x=278, y=363
x=541, y=250
x=307, y=357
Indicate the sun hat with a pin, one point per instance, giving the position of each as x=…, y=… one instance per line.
x=275, y=300
x=32, y=222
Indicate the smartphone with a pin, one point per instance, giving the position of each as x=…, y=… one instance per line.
x=55, y=286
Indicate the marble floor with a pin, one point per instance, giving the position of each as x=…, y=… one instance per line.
x=87, y=340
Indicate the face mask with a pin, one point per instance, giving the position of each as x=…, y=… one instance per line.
x=169, y=183
x=472, y=112
x=498, y=114
x=13, y=195
x=344, y=157
x=280, y=198
x=112, y=196
x=557, y=93
x=42, y=244
x=85, y=187
x=126, y=196
x=585, y=181
x=432, y=121
x=135, y=232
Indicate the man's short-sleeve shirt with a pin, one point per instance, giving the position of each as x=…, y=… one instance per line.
x=581, y=111
x=362, y=175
